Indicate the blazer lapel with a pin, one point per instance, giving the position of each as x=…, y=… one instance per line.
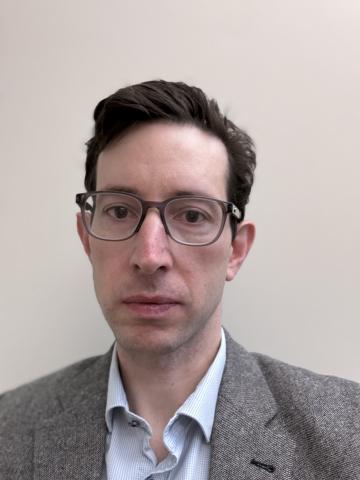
x=249, y=439
x=71, y=444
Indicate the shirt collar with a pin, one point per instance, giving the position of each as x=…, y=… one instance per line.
x=116, y=396
x=200, y=405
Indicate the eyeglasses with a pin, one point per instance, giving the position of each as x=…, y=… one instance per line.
x=189, y=220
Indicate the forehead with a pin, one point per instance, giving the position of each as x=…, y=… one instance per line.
x=165, y=159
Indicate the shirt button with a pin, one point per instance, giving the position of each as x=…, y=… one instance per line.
x=134, y=423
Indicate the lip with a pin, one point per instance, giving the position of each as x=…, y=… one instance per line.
x=150, y=305
x=151, y=299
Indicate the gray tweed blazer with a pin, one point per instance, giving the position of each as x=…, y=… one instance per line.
x=273, y=421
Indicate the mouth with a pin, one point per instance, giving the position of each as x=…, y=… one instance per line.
x=150, y=305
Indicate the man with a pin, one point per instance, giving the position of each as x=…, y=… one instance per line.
x=162, y=222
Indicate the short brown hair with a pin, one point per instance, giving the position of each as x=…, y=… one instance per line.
x=159, y=100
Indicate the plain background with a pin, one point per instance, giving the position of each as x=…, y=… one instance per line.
x=287, y=71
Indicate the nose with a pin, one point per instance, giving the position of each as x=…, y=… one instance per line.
x=151, y=252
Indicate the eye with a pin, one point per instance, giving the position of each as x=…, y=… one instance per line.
x=118, y=211
x=192, y=212
x=193, y=216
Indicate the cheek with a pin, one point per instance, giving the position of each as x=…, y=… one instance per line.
x=106, y=255
x=208, y=268
x=106, y=264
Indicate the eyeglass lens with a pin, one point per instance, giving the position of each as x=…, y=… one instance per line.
x=189, y=220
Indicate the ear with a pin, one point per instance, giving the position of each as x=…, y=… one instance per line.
x=240, y=248
x=83, y=234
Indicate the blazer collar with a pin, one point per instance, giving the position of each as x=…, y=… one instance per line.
x=249, y=438
x=248, y=425
x=71, y=444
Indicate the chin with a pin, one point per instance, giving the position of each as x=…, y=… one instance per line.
x=150, y=341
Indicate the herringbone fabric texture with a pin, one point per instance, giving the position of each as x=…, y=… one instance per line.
x=272, y=421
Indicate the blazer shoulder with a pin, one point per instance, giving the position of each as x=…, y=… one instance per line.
x=329, y=399
x=22, y=407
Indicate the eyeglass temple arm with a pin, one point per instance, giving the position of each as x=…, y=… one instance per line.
x=235, y=212
x=80, y=200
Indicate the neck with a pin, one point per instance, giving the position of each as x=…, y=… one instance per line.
x=157, y=385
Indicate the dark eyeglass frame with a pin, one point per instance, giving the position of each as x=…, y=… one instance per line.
x=227, y=207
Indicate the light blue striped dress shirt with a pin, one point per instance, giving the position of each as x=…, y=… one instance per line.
x=129, y=455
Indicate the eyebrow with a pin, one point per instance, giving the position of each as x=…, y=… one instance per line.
x=119, y=188
x=193, y=193
x=176, y=193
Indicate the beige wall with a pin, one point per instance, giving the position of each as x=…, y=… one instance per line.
x=286, y=70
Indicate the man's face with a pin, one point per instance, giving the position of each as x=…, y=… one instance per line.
x=156, y=294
